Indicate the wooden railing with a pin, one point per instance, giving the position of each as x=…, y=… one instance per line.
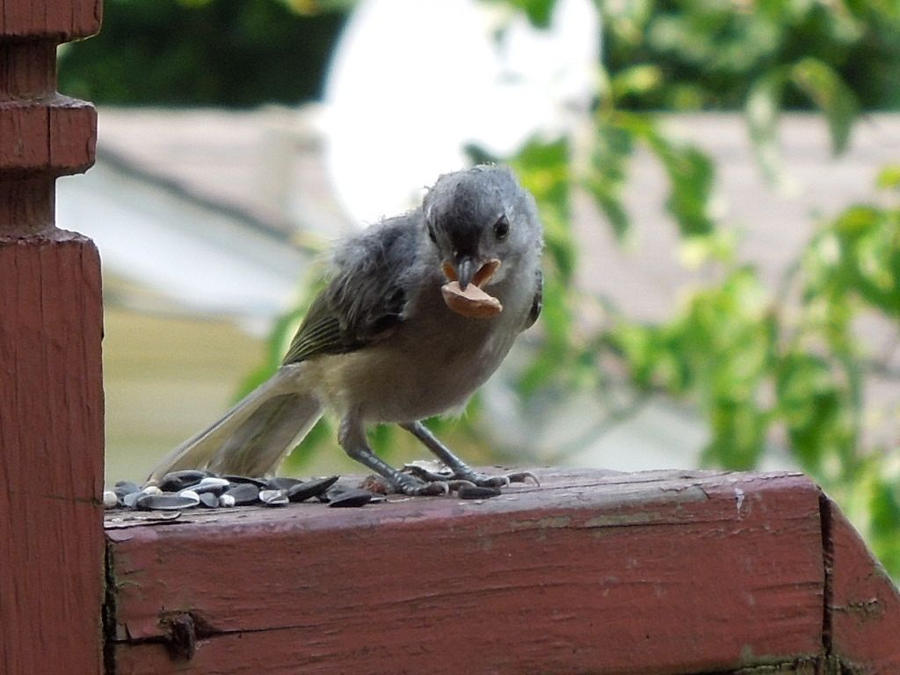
x=590, y=572
x=599, y=572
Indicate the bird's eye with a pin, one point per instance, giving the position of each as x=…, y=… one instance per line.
x=501, y=227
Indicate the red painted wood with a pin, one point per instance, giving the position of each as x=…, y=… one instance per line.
x=56, y=137
x=27, y=205
x=592, y=572
x=51, y=456
x=27, y=69
x=864, y=603
x=51, y=389
x=60, y=20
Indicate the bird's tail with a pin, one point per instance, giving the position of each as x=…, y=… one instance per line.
x=253, y=437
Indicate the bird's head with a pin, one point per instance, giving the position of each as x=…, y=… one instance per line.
x=481, y=223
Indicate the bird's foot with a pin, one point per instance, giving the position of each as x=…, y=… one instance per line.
x=496, y=481
x=413, y=486
x=436, y=472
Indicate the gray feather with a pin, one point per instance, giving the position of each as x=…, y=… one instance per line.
x=276, y=401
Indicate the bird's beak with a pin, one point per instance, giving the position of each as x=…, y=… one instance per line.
x=469, y=271
x=465, y=270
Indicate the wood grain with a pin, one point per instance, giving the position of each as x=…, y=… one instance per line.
x=60, y=20
x=51, y=386
x=54, y=137
x=863, y=603
x=592, y=572
x=51, y=455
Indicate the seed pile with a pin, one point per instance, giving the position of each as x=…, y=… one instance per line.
x=192, y=488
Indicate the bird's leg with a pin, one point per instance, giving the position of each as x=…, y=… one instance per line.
x=352, y=438
x=459, y=469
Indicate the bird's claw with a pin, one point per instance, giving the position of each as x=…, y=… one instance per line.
x=453, y=480
x=497, y=481
x=458, y=483
x=414, y=486
x=437, y=488
x=426, y=474
x=523, y=477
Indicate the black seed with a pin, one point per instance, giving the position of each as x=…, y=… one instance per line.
x=125, y=487
x=209, y=500
x=273, y=497
x=282, y=483
x=235, y=479
x=130, y=500
x=311, y=488
x=179, y=480
x=243, y=493
x=351, y=498
x=477, y=492
x=165, y=502
x=210, y=484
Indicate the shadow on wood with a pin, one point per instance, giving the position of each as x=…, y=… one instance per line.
x=596, y=572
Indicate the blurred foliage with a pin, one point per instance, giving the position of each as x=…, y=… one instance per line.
x=709, y=54
x=756, y=361
x=763, y=365
x=204, y=52
x=686, y=54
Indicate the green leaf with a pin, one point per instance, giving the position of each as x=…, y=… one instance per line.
x=543, y=168
x=637, y=80
x=605, y=181
x=539, y=12
x=831, y=94
x=889, y=177
x=762, y=109
x=690, y=174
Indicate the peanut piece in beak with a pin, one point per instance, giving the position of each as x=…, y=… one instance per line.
x=485, y=272
x=472, y=302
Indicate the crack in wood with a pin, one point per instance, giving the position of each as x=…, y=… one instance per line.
x=108, y=613
x=828, y=567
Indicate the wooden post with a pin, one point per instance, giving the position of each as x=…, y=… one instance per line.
x=51, y=393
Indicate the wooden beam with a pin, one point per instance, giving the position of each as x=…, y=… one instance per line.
x=596, y=572
x=863, y=630
x=51, y=391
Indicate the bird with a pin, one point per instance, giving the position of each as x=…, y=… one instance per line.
x=417, y=312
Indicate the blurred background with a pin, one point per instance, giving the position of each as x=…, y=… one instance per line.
x=719, y=184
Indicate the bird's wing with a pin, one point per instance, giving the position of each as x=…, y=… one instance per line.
x=365, y=298
x=537, y=302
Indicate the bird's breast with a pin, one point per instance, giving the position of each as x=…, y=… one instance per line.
x=430, y=365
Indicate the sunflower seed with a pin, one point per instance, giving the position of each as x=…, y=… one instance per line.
x=209, y=499
x=178, y=480
x=282, y=483
x=477, y=492
x=243, y=493
x=273, y=497
x=167, y=501
x=311, y=488
x=125, y=487
x=350, y=498
x=235, y=479
x=211, y=484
